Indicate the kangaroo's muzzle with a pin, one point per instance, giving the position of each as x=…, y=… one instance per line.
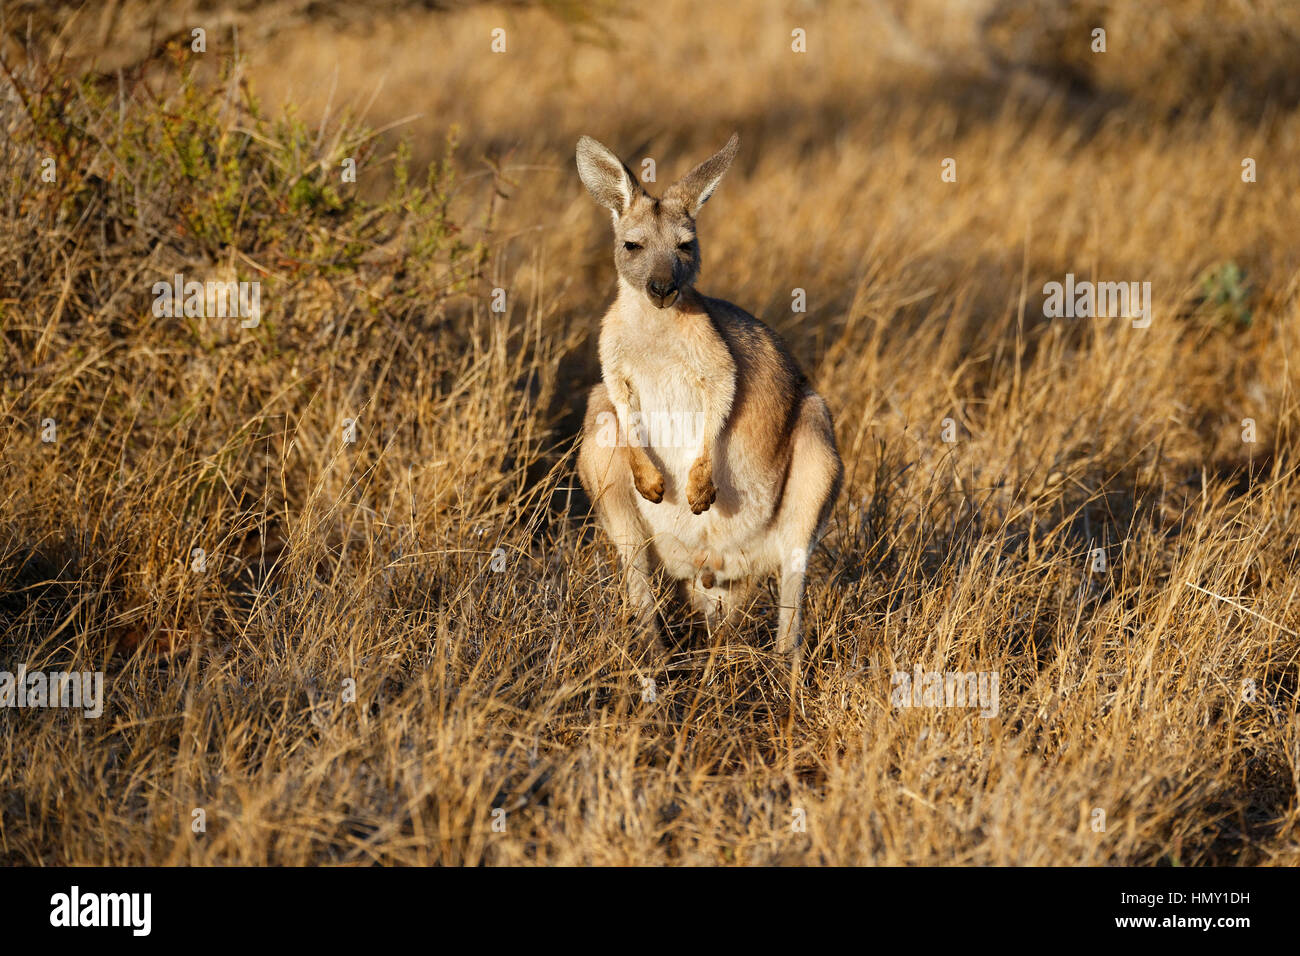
x=662, y=292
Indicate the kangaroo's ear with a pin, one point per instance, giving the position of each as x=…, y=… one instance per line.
x=609, y=181
x=697, y=186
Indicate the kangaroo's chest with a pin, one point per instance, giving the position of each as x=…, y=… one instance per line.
x=671, y=417
x=672, y=382
x=668, y=375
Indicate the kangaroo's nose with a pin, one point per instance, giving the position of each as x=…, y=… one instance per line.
x=662, y=291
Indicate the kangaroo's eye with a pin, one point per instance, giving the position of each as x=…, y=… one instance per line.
x=683, y=247
x=631, y=246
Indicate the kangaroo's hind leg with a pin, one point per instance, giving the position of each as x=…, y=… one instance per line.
x=605, y=468
x=811, y=487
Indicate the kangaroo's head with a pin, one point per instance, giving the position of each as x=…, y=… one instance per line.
x=655, y=247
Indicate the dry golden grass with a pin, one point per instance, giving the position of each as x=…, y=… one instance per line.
x=1122, y=690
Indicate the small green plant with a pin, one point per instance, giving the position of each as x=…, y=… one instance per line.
x=200, y=169
x=1225, y=295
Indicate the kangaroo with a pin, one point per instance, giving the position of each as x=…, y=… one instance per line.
x=705, y=452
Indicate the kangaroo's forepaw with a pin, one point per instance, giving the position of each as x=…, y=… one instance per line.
x=649, y=483
x=700, y=492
